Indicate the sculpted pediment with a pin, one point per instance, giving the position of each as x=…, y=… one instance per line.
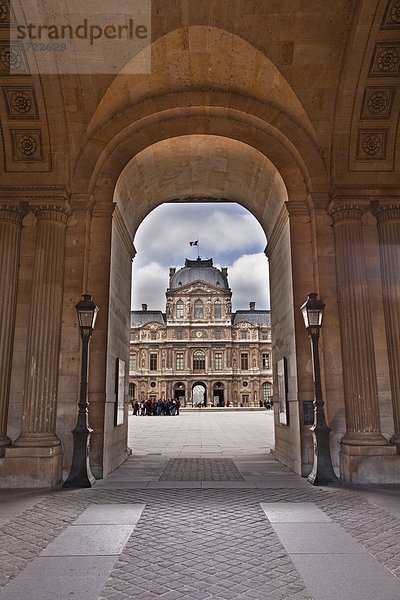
x=201, y=289
x=154, y=326
x=244, y=325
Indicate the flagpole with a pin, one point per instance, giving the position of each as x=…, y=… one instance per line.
x=198, y=250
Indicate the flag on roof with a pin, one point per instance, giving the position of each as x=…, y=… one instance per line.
x=195, y=243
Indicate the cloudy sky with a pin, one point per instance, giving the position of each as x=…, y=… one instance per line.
x=227, y=232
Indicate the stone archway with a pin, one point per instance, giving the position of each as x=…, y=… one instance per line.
x=225, y=114
x=199, y=394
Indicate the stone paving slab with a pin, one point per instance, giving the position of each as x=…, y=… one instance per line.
x=331, y=576
x=294, y=512
x=201, y=469
x=48, y=578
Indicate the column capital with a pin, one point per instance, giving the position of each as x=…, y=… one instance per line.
x=386, y=212
x=347, y=212
x=13, y=213
x=52, y=212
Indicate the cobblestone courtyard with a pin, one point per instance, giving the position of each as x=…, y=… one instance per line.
x=201, y=511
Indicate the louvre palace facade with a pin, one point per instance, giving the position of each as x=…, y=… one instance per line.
x=199, y=351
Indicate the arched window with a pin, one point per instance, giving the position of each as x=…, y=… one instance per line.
x=267, y=391
x=199, y=360
x=198, y=309
x=179, y=309
x=217, y=309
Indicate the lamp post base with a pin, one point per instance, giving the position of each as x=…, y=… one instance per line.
x=80, y=475
x=322, y=472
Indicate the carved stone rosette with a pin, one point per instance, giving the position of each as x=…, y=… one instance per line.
x=359, y=371
x=41, y=372
x=388, y=218
x=10, y=237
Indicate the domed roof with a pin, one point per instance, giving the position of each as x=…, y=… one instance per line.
x=195, y=270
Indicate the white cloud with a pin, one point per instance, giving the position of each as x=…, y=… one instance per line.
x=248, y=279
x=149, y=284
x=224, y=231
x=228, y=233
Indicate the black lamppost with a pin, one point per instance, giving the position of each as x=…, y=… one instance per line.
x=80, y=474
x=322, y=471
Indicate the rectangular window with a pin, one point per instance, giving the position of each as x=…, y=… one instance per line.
x=132, y=363
x=218, y=360
x=265, y=360
x=199, y=361
x=217, y=310
x=217, y=334
x=179, y=309
x=133, y=336
x=267, y=389
x=153, y=335
x=179, y=334
x=179, y=361
x=243, y=335
x=244, y=361
x=153, y=361
x=245, y=399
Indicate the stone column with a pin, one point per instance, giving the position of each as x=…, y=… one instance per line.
x=359, y=371
x=388, y=217
x=42, y=357
x=10, y=237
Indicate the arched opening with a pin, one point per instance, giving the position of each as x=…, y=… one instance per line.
x=225, y=164
x=199, y=394
x=261, y=154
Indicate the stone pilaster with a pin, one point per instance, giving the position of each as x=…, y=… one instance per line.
x=359, y=370
x=10, y=237
x=42, y=358
x=388, y=218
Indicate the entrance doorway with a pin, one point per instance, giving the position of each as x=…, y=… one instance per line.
x=219, y=394
x=179, y=393
x=199, y=394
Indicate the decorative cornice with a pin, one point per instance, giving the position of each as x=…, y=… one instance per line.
x=346, y=212
x=23, y=189
x=103, y=209
x=83, y=202
x=35, y=195
x=318, y=200
x=386, y=212
x=296, y=209
x=365, y=192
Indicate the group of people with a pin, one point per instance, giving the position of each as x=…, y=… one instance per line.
x=156, y=408
x=268, y=404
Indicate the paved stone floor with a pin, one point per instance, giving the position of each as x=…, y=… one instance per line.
x=201, y=511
